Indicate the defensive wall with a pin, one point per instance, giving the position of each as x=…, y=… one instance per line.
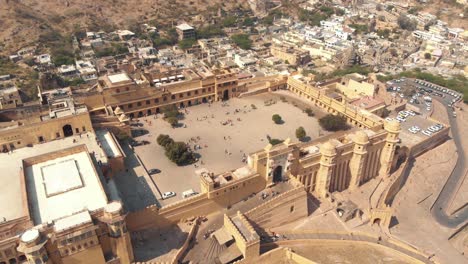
x=399, y=177
x=197, y=205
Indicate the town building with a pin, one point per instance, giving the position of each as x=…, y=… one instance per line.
x=10, y=98
x=290, y=55
x=185, y=31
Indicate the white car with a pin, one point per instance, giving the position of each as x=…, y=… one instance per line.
x=411, y=113
x=427, y=133
x=400, y=119
x=389, y=119
x=168, y=195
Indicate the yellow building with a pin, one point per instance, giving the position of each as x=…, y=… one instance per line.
x=353, y=86
x=183, y=88
x=290, y=55
x=59, y=211
x=21, y=127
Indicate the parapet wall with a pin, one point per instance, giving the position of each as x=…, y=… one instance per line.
x=430, y=142
x=54, y=155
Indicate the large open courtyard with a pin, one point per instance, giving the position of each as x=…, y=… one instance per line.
x=225, y=132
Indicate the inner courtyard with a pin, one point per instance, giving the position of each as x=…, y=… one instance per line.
x=224, y=133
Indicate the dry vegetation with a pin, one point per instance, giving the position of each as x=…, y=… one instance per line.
x=23, y=21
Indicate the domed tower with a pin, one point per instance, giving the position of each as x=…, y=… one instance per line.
x=327, y=161
x=356, y=164
x=388, y=151
x=119, y=238
x=32, y=244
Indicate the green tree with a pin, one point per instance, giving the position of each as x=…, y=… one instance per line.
x=427, y=56
x=170, y=111
x=406, y=23
x=333, y=123
x=277, y=119
x=178, y=152
x=242, y=40
x=209, y=32
x=173, y=121
x=229, y=21
x=186, y=43
x=300, y=133
x=248, y=22
x=164, y=140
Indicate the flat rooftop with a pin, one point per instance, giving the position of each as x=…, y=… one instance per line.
x=63, y=186
x=13, y=203
x=117, y=78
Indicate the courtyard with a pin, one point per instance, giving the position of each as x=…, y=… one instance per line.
x=225, y=133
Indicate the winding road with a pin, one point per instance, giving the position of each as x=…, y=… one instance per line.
x=440, y=207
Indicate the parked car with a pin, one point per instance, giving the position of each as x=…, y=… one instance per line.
x=153, y=171
x=168, y=195
x=427, y=133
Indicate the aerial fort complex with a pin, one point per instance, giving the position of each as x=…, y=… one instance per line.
x=67, y=159
x=251, y=131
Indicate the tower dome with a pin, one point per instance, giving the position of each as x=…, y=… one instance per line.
x=328, y=148
x=361, y=137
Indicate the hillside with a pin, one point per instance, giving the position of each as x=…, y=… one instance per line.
x=23, y=21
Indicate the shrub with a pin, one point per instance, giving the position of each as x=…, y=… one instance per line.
x=309, y=112
x=300, y=133
x=333, y=123
x=427, y=56
x=275, y=141
x=277, y=119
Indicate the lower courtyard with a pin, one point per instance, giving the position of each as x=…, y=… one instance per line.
x=222, y=134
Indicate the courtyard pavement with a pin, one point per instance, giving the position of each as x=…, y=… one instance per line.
x=222, y=145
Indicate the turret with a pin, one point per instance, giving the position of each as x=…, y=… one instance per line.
x=388, y=151
x=356, y=165
x=32, y=244
x=327, y=161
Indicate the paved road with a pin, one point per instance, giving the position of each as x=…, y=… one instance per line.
x=440, y=207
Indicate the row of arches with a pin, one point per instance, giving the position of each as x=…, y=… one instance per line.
x=157, y=110
x=14, y=260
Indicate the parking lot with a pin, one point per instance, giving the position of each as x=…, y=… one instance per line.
x=420, y=93
x=413, y=126
x=222, y=145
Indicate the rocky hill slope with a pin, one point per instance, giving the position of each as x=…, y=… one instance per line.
x=23, y=21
